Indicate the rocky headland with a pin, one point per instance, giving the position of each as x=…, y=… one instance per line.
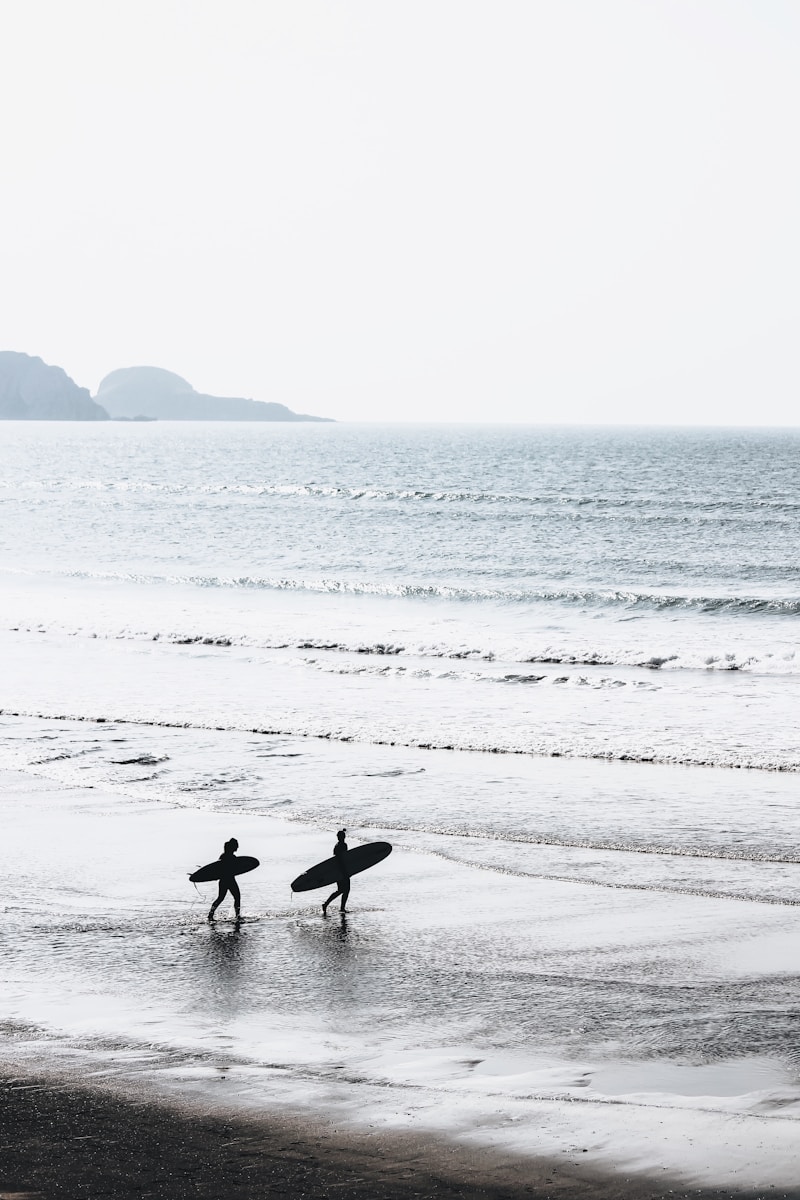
x=30, y=390
x=133, y=392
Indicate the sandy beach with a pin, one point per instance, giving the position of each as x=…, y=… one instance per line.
x=63, y=1140
x=422, y=1042
x=399, y=444
x=555, y=669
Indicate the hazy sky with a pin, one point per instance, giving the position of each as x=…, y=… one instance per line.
x=578, y=210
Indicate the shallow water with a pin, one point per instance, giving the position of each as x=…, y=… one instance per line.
x=599, y=955
x=556, y=669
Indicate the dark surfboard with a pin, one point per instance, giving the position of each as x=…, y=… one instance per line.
x=213, y=870
x=329, y=871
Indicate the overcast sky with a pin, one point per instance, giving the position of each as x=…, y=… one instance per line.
x=551, y=210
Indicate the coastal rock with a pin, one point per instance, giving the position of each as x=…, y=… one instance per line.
x=153, y=392
x=30, y=390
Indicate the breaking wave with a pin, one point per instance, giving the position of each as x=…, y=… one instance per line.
x=780, y=662
x=694, y=505
x=543, y=747
x=630, y=599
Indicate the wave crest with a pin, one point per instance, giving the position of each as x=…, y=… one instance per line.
x=544, y=748
x=626, y=598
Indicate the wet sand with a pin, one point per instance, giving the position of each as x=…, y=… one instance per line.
x=421, y=1044
x=57, y=1139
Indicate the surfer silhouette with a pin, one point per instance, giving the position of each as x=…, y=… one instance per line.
x=227, y=882
x=339, y=851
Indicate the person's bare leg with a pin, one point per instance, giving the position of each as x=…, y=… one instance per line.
x=237, y=899
x=345, y=892
x=325, y=903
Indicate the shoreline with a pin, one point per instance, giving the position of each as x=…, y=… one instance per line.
x=366, y=743
x=428, y=1043
x=61, y=1138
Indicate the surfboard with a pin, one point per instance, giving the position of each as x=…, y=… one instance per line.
x=355, y=860
x=213, y=870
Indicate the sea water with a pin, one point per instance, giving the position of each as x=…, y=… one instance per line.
x=617, y=593
x=556, y=667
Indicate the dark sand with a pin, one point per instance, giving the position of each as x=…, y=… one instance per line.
x=63, y=1141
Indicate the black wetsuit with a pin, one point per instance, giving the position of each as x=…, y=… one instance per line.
x=339, y=850
x=227, y=883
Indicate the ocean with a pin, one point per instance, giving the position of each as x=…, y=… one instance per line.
x=557, y=668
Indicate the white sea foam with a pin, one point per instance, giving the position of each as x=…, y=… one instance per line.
x=453, y=998
x=509, y=652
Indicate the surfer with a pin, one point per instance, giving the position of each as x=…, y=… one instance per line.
x=339, y=851
x=227, y=882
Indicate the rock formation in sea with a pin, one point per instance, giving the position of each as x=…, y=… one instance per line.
x=152, y=392
x=30, y=390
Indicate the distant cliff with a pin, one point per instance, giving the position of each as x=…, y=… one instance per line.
x=152, y=392
x=30, y=390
